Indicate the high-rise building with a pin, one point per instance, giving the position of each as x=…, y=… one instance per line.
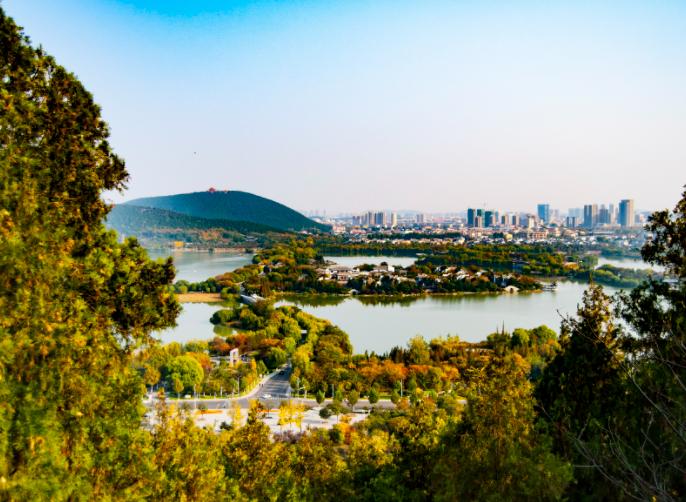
x=544, y=213
x=603, y=215
x=471, y=214
x=613, y=213
x=420, y=219
x=571, y=221
x=489, y=218
x=380, y=219
x=590, y=215
x=478, y=221
x=394, y=220
x=515, y=220
x=626, y=213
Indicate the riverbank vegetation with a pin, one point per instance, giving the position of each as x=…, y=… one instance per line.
x=526, y=260
x=617, y=277
x=602, y=417
x=297, y=267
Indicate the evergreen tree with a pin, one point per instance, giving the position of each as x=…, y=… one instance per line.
x=496, y=452
x=645, y=454
x=581, y=389
x=74, y=303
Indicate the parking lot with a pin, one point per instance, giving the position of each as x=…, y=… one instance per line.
x=311, y=419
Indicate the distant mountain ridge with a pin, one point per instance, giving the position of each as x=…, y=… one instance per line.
x=232, y=206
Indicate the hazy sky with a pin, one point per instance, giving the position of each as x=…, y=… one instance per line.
x=349, y=105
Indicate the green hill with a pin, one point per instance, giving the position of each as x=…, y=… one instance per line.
x=131, y=220
x=160, y=226
x=232, y=206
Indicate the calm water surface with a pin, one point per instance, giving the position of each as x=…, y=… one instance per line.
x=629, y=263
x=379, y=325
x=353, y=261
x=197, y=266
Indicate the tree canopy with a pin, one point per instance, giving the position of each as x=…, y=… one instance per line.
x=75, y=302
x=598, y=413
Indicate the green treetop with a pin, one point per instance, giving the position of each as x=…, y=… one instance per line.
x=74, y=302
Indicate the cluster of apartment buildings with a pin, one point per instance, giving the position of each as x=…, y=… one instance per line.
x=487, y=218
x=594, y=215
x=376, y=219
x=590, y=216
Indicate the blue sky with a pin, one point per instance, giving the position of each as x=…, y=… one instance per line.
x=352, y=105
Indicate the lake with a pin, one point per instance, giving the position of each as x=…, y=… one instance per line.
x=629, y=263
x=353, y=261
x=196, y=266
x=378, y=326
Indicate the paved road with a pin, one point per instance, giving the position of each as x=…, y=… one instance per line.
x=277, y=386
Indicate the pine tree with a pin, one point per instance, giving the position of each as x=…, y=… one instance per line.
x=74, y=302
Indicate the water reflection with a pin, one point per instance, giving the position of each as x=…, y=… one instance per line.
x=196, y=266
x=629, y=263
x=355, y=260
x=379, y=323
x=310, y=300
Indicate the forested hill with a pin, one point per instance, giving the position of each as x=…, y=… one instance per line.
x=133, y=220
x=154, y=226
x=232, y=206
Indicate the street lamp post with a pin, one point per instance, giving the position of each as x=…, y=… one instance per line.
x=298, y=388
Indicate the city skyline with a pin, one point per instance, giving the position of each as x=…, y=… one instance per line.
x=352, y=105
x=613, y=210
x=590, y=217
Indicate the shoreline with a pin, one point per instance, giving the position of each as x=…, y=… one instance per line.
x=406, y=295
x=195, y=297
x=232, y=250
